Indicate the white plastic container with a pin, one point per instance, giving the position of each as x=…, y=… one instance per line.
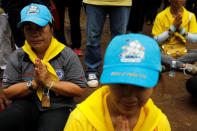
x=172, y=71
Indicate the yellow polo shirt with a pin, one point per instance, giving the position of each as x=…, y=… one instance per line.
x=165, y=19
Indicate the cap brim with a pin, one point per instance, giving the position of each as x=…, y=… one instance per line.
x=38, y=21
x=133, y=76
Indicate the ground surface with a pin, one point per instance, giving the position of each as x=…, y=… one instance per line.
x=170, y=95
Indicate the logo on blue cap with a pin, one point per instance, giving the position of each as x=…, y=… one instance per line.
x=32, y=10
x=36, y=13
x=134, y=52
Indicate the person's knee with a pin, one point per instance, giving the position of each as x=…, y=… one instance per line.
x=47, y=123
x=17, y=110
x=191, y=86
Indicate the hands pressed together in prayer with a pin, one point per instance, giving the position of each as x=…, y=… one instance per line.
x=178, y=21
x=41, y=75
x=122, y=124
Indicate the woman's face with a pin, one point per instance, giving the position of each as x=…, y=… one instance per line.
x=177, y=3
x=128, y=99
x=38, y=37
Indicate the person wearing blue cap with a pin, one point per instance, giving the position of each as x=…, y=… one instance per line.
x=131, y=70
x=13, y=8
x=74, y=8
x=41, y=78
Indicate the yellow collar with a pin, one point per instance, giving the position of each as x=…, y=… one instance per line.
x=53, y=50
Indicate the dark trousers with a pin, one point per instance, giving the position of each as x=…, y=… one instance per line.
x=151, y=9
x=74, y=7
x=166, y=4
x=23, y=115
x=191, y=86
x=136, y=18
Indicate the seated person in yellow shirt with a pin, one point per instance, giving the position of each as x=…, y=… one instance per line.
x=174, y=27
x=131, y=71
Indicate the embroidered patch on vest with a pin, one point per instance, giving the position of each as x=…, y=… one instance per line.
x=60, y=73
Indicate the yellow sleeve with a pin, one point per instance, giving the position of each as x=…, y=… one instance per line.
x=163, y=124
x=157, y=26
x=78, y=122
x=193, y=24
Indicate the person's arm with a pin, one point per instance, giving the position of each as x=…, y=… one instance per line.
x=70, y=87
x=159, y=31
x=191, y=33
x=65, y=88
x=190, y=37
x=18, y=90
x=173, y=28
x=162, y=37
x=13, y=84
x=165, y=35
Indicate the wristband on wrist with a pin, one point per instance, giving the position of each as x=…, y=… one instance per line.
x=51, y=85
x=170, y=32
x=172, y=28
x=30, y=86
x=185, y=34
x=182, y=31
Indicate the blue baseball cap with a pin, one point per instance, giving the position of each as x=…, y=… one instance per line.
x=36, y=13
x=132, y=59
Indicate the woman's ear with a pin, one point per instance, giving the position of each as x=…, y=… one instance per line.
x=51, y=29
